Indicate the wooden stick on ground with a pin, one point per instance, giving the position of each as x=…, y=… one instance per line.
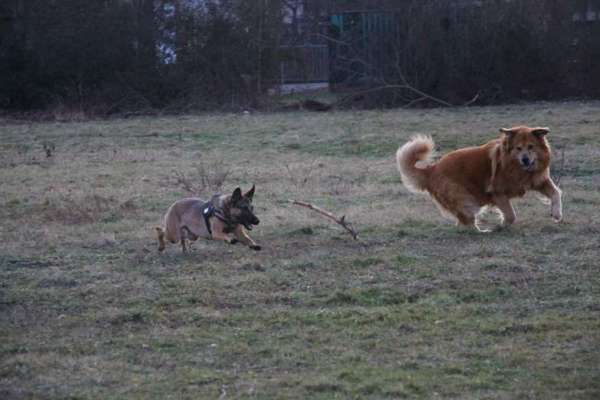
x=340, y=221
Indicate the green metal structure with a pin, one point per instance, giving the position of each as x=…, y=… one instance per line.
x=362, y=47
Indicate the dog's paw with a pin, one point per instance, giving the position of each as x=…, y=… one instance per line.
x=255, y=247
x=233, y=241
x=556, y=214
x=557, y=217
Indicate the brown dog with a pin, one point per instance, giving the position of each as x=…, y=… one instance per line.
x=217, y=219
x=464, y=181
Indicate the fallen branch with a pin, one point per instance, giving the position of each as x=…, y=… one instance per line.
x=473, y=100
x=340, y=221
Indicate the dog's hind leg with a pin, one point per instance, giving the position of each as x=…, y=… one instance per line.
x=182, y=235
x=459, y=205
x=465, y=218
x=467, y=214
x=191, y=235
x=508, y=212
x=161, y=238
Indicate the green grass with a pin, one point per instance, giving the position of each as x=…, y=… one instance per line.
x=419, y=309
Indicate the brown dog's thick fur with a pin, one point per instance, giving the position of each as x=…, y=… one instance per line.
x=465, y=181
x=185, y=220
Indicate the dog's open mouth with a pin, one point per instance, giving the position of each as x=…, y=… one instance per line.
x=529, y=167
x=248, y=225
x=248, y=222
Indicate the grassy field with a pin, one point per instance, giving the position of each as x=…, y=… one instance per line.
x=419, y=309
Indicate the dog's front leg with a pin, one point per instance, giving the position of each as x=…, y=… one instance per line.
x=495, y=156
x=550, y=190
x=220, y=235
x=218, y=232
x=242, y=236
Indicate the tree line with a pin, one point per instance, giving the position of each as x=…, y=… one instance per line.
x=113, y=56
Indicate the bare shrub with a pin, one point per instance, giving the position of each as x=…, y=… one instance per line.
x=208, y=177
x=439, y=52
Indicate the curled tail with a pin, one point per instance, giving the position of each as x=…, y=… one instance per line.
x=419, y=148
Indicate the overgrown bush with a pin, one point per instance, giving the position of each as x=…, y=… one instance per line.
x=454, y=50
x=113, y=55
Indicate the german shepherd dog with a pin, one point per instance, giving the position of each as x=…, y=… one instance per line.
x=217, y=219
x=465, y=181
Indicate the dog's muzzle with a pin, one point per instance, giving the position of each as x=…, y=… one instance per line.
x=248, y=224
x=527, y=163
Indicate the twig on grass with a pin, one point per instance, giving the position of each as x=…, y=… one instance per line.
x=473, y=100
x=340, y=221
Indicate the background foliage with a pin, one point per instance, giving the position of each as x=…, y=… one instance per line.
x=109, y=56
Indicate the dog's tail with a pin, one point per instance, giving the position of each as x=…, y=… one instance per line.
x=419, y=148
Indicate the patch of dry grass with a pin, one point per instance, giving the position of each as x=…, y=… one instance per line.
x=88, y=309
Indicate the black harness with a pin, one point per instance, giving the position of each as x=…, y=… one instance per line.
x=210, y=210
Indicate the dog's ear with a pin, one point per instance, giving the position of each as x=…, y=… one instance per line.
x=250, y=193
x=540, y=132
x=508, y=132
x=237, y=195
